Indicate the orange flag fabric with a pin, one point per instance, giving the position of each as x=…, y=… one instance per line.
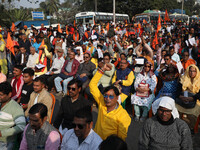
x=94, y=22
x=107, y=27
x=13, y=27
x=10, y=44
x=67, y=32
x=166, y=16
x=155, y=40
x=59, y=29
x=144, y=21
x=42, y=43
x=74, y=23
x=159, y=23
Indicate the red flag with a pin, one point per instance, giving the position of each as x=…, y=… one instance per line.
x=67, y=32
x=166, y=16
x=74, y=23
x=144, y=21
x=10, y=44
x=107, y=27
x=59, y=29
x=13, y=27
x=155, y=40
x=159, y=23
x=94, y=22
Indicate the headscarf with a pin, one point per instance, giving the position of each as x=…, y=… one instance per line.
x=166, y=102
x=186, y=80
x=80, y=48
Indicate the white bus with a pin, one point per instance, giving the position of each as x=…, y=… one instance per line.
x=179, y=17
x=89, y=17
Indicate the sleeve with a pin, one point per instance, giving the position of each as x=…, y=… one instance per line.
x=28, y=62
x=148, y=48
x=47, y=53
x=19, y=89
x=111, y=72
x=153, y=83
x=114, y=77
x=23, y=145
x=48, y=104
x=59, y=117
x=94, y=88
x=110, y=50
x=124, y=124
x=137, y=81
x=20, y=123
x=53, y=141
x=119, y=47
x=129, y=80
x=144, y=136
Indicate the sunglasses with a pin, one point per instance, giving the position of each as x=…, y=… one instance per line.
x=166, y=59
x=80, y=126
x=108, y=96
x=69, y=88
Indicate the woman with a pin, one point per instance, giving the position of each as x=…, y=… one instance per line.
x=144, y=95
x=169, y=78
x=188, y=95
x=79, y=55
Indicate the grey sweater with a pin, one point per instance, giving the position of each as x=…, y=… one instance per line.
x=155, y=136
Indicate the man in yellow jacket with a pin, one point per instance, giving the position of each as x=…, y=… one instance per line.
x=112, y=118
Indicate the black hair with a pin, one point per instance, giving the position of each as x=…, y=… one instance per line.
x=113, y=142
x=164, y=51
x=107, y=54
x=122, y=54
x=112, y=87
x=84, y=112
x=41, y=79
x=75, y=81
x=39, y=108
x=20, y=67
x=5, y=87
x=168, y=55
x=30, y=71
x=171, y=47
x=16, y=46
x=130, y=49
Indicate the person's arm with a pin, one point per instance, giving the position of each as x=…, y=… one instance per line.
x=119, y=47
x=23, y=145
x=114, y=77
x=2, y=47
x=111, y=72
x=129, y=80
x=153, y=83
x=137, y=50
x=110, y=50
x=123, y=125
x=64, y=66
x=148, y=48
x=59, y=116
x=48, y=55
x=53, y=141
x=19, y=89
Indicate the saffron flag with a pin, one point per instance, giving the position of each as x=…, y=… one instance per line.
x=10, y=44
x=74, y=23
x=159, y=23
x=107, y=27
x=166, y=16
x=94, y=22
x=13, y=27
x=144, y=21
x=59, y=29
x=42, y=43
x=67, y=32
x=155, y=40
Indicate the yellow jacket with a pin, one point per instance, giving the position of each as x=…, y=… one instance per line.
x=115, y=122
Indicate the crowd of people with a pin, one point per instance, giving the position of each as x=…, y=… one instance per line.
x=155, y=68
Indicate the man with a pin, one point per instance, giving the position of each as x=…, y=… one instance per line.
x=22, y=58
x=32, y=58
x=26, y=31
x=17, y=82
x=69, y=105
x=25, y=43
x=124, y=77
x=85, y=69
x=39, y=134
x=40, y=95
x=112, y=118
x=68, y=71
x=186, y=61
x=165, y=130
x=27, y=88
x=81, y=136
x=55, y=69
x=11, y=117
x=37, y=43
x=173, y=55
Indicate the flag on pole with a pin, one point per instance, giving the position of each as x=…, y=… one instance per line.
x=155, y=40
x=144, y=21
x=159, y=23
x=107, y=27
x=59, y=29
x=13, y=27
x=42, y=43
x=94, y=22
x=10, y=44
x=166, y=16
x=74, y=23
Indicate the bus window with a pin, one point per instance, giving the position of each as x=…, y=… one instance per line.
x=88, y=20
x=80, y=20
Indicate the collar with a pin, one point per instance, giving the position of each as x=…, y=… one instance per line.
x=88, y=139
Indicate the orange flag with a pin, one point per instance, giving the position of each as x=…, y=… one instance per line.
x=107, y=27
x=155, y=40
x=144, y=21
x=67, y=32
x=59, y=29
x=42, y=43
x=166, y=16
x=13, y=27
x=94, y=22
x=74, y=23
x=10, y=44
x=159, y=23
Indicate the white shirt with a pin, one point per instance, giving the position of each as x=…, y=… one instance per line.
x=176, y=57
x=57, y=64
x=32, y=60
x=70, y=141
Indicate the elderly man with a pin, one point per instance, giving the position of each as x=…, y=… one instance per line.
x=165, y=130
x=25, y=43
x=124, y=77
x=112, y=118
x=32, y=58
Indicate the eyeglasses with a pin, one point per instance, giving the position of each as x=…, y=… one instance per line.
x=85, y=57
x=166, y=59
x=148, y=66
x=80, y=126
x=165, y=111
x=108, y=96
x=69, y=88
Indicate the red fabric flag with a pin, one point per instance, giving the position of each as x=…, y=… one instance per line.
x=144, y=21
x=159, y=23
x=42, y=43
x=155, y=40
x=166, y=16
x=59, y=29
x=13, y=27
x=94, y=22
x=10, y=44
x=107, y=27
x=67, y=32
x=74, y=23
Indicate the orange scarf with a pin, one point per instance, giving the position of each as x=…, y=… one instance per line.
x=76, y=37
x=44, y=61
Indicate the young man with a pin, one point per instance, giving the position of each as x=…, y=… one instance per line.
x=81, y=136
x=17, y=82
x=39, y=134
x=22, y=58
x=40, y=95
x=112, y=118
x=11, y=117
x=27, y=88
